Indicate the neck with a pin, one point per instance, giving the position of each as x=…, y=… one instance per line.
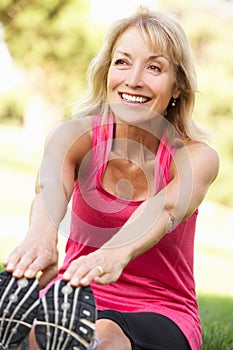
x=137, y=142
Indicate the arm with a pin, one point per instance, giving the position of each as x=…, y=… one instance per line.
x=64, y=150
x=193, y=170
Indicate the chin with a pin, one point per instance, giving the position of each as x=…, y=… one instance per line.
x=134, y=115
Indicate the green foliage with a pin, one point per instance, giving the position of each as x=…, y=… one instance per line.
x=44, y=29
x=12, y=106
x=53, y=40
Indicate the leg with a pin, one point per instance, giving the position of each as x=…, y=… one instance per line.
x=143, y=330
x=117, y=340
x=32, y=341
x=111, y=336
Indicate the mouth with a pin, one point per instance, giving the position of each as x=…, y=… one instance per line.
x=136, y=99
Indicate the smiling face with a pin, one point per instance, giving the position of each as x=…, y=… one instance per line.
x=140, y=81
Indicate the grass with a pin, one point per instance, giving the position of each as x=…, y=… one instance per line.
x=217, y=322
x=18, y=166
x=214, y=262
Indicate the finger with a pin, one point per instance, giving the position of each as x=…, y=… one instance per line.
x=22, y=265
x=19, y=260
x=105, y=279
x=5, y=262
x=12, y=261
x=47, y=276
x=84, y=275
x=95, y=272
x=100, y=270
x=41, y=263
x=77, y=268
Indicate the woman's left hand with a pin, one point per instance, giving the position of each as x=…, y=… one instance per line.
x=103, y=266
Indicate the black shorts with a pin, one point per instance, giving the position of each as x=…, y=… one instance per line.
x=147, y=330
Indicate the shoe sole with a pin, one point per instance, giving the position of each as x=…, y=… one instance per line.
x=19, y=303
x=66, y=318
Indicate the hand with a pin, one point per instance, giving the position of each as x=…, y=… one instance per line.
x=33, y=255
x=103, y=266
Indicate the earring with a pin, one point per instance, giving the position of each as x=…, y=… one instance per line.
x=173, y=102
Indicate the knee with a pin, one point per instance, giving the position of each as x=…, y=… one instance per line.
x=111, y=336
x=32, y=344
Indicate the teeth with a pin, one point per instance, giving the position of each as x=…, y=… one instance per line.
x=134, y=99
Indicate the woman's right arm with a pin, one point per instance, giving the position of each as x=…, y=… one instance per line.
x=65, y=148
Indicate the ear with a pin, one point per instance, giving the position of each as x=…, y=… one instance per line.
x=176, y=93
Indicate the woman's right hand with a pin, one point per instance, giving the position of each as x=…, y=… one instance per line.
x=34, y=255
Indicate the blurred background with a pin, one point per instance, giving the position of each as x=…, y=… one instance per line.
x=45, y=49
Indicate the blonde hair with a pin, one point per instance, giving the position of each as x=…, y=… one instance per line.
x=160, y=32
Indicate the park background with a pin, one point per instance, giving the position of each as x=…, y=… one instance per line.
x=45, y=49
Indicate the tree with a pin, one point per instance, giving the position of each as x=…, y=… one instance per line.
x=52, y=40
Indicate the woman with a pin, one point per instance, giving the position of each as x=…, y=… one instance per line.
x=137, y=168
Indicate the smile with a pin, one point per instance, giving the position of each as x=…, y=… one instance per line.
x=134, y=98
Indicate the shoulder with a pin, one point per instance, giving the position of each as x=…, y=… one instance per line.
x=200, y=150
x=203, y=153
x=200, y=158
x=71, y=139
x=70, y=129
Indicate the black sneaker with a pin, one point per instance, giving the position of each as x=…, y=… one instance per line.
x=19, y=302
x=66, y=318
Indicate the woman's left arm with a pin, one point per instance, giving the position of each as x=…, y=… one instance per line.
x=193, y=170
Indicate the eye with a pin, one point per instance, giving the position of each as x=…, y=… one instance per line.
x=155, y=68
x=120, y=61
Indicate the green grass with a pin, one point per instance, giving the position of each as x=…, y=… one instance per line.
x=18, y=167
x=217, y=322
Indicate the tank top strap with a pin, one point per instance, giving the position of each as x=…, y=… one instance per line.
x=102, y=129
x=164, y=158
x=102, y=135
x=102, y=142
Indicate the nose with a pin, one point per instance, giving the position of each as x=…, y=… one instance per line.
x=135, y=77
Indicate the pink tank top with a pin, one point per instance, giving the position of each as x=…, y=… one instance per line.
x=161, y=279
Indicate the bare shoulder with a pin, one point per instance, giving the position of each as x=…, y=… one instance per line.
x=202, y=152
x=70, y=129
x=71, y=138
x=202, y=149
x=202, y=158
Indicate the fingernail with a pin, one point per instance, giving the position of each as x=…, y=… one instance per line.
x=17, y=273
x=66, y=275
x=10, y=267
x=84, y=280
x=29, y=273
x=74, y=282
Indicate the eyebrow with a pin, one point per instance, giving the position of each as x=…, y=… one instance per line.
x=150, y=58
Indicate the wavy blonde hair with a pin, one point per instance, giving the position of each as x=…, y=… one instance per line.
x=162, y=33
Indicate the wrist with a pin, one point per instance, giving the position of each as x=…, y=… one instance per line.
x=41, y=231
